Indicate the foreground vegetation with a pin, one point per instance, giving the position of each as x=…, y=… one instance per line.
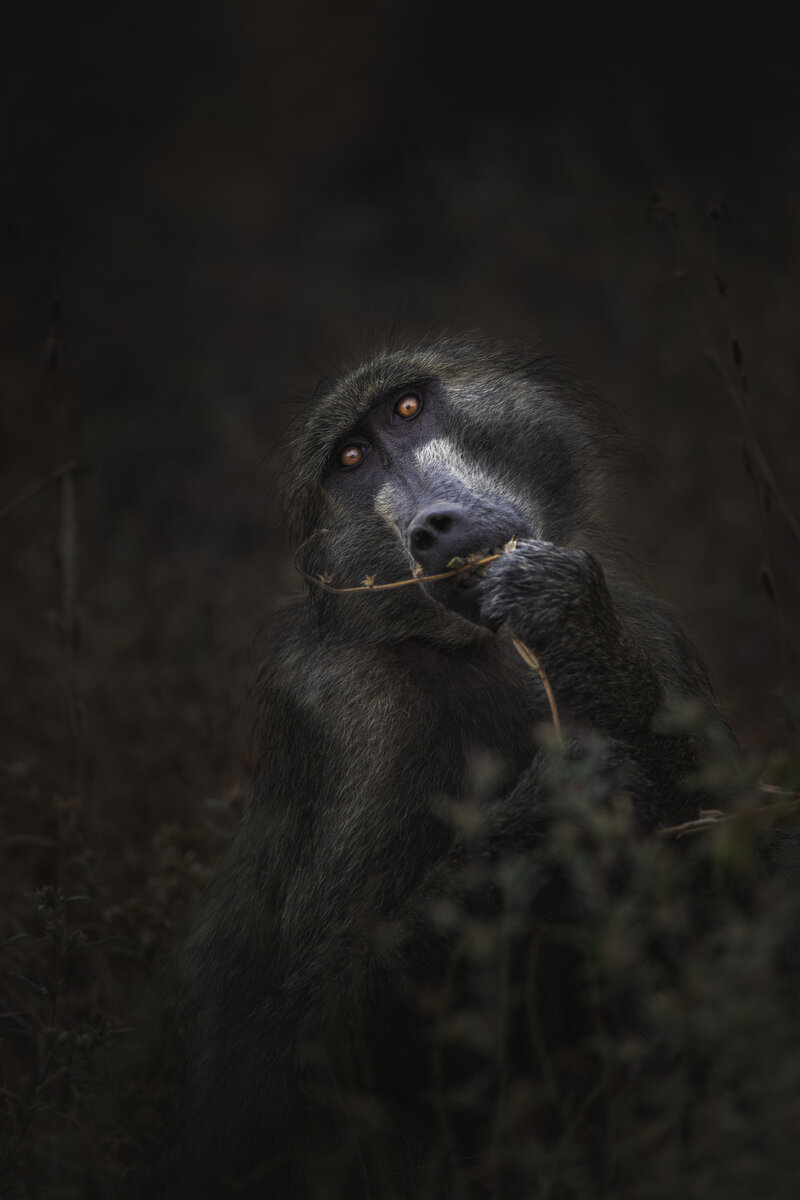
x=682, y=1079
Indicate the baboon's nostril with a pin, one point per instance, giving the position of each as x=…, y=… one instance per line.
x=421, y=539
x=441, y=521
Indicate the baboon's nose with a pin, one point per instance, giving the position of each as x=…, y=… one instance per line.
x=437, y=534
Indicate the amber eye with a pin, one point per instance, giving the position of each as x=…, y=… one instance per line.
x=408, y=406
x=351, y=456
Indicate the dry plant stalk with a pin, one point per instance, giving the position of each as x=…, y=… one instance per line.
x=527, y=655
x=368, y=583
x=708, y=818
x=471, y=563
x=69, y=468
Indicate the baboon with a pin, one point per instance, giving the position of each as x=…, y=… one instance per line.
x=406, y=780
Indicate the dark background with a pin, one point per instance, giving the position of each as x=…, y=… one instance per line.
x=205, y=208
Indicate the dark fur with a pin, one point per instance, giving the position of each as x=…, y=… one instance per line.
x=399, y=766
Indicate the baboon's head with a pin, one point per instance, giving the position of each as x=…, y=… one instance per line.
x=430, y=453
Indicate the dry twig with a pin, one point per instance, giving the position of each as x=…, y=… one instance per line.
x=527, y=655
x=708, y=818
x=69, y=468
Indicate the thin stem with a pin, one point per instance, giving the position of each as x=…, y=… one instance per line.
x=710, y=817
x=324, y=582
x=69, y=468
x=530, y=658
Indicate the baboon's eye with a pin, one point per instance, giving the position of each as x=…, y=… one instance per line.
x=408, y=406
x=351, y=456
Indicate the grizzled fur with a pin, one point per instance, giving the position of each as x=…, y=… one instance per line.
x=400, y=762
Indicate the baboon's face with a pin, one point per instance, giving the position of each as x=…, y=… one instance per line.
x=402, y=461
x=419, y=457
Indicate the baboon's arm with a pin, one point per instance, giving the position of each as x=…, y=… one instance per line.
x=614, y=660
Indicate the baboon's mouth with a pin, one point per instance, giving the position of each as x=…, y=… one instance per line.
x=471, y=578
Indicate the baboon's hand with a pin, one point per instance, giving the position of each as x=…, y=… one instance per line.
x=548, y=596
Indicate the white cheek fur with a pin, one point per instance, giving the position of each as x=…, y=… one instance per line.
x=386, y=505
